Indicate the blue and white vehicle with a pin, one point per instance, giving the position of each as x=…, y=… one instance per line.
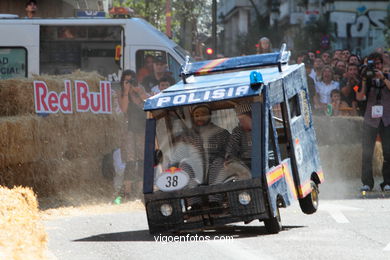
x=284, y=161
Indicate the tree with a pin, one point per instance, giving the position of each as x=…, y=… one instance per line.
x=189, y=18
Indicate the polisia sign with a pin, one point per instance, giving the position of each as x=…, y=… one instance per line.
x=51, y=102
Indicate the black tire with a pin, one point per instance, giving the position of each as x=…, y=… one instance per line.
x=309, y=204
x=274, y=224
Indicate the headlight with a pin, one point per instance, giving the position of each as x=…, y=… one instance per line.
x=166, y=210
x=244, y=198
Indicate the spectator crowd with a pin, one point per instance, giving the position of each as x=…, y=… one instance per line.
x=335, y=78
x=344, y=84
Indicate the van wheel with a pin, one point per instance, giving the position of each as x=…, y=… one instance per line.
x=274, y=224
x=309, y=204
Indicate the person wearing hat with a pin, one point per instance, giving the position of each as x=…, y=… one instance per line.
x=159, y=71
x=239, y=148
x=206, y=144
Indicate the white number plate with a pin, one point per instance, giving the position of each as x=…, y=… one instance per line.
x=172, y=179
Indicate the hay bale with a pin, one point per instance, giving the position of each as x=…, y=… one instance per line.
x=56, y=176
x=22, y=234
x=17, y=140
x=30, y=138
x=17, y=95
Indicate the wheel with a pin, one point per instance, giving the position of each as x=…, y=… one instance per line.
x=309, y=204
x=274, y=224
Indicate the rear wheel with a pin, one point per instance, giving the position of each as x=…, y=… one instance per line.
x=309, y=204
x=274, y=224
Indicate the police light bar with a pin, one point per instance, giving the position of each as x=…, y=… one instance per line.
x=226, y=64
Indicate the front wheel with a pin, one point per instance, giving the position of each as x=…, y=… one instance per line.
x=274, y=224
x=309, y=204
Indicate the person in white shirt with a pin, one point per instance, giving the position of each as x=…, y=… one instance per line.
x=324, y=87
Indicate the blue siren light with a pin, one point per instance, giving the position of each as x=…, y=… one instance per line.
x=256, y=79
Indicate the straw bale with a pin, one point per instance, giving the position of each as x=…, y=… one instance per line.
x=17, y=140
x=31, y=138
x=22, y=234
x=50, y=177
x=17, y=95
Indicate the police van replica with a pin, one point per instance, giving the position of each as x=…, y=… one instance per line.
x=233, y=141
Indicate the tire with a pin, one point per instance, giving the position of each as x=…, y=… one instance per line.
x=274, y=224
x=309, y=204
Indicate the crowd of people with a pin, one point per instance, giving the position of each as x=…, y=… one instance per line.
x=343, y=84
x=335, y=79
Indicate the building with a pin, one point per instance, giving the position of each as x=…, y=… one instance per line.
x=356, y=25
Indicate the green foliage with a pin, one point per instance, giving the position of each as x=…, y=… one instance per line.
x=309, y=37
x=197, y=14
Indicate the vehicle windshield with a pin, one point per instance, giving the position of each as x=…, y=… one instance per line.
x=206, y=145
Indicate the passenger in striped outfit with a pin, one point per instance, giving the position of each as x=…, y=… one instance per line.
x=239, y=148
x=200, y=151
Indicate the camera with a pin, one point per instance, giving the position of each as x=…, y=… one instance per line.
x=133, y=82
x=368, y=71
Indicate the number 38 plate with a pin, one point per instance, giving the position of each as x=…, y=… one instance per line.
x=172, y=179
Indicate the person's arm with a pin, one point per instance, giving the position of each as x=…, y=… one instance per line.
x=124, y=99
x=361, y=94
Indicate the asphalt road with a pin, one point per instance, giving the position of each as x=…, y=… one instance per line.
x=341, y=229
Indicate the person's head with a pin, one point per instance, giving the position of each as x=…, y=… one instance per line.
x=337, y=54
x=325, y=56
x=308, y=66
x=31, y=8
x=148, y=62
x=353, y=69
x=160, y=64
x=327, y=74
x=341, y=66
x=334, y=62
x=311, y=55
x=201, y=115
x=128, y=77
x=335, y=96
x=377, y=58
x=244, y=116
x=301, y=58
x=345, y=55
x=165, y=82
x=264, y=45
x=318, y=64
x=354, y=59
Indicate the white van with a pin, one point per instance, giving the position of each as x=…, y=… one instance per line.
x=60, y=46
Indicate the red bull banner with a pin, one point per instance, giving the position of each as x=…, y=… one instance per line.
x=80, y=96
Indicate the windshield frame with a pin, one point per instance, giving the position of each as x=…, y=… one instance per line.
x=151, y=142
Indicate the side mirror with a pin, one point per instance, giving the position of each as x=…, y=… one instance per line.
x=158, y=157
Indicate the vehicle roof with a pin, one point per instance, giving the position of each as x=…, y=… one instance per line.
x=214, y=87
x=136, y=26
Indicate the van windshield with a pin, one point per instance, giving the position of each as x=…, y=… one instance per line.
x=209, y=146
